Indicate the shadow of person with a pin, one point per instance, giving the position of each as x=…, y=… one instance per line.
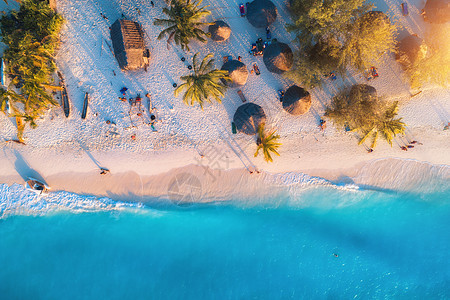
x=24, y=170
x=93, y=159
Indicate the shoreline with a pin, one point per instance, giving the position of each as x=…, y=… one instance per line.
x=199, y=184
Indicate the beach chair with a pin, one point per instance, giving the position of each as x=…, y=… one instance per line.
x=227, y=58
x=256, y=69
x=259, y=46
x=241, y=95
x=405, y=9
x=374, y=72
x=280, y=95
x=368, y=74
x=268, y=34
x=253, y=50
x=333, y=76
x=242, y=9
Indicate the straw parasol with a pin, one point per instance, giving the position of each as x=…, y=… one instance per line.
x=248, y=117
x=278, y=57
x=219, y=31
x=437, y=11
x=361, y=91
x=237, y=71
x=296, y=100
x=261, y=13
x=128, y=43
x=411, y=49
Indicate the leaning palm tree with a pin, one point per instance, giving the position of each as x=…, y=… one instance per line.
x=183, y=22
x=385, y=125
x=204, y=84
x=268, y=142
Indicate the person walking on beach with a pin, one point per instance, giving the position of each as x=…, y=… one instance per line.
x=104, y=171
x=323, y=124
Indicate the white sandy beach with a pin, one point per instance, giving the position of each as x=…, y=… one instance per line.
x=68, y=152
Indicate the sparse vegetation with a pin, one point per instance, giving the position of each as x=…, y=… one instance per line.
x=31, y=35
x=267, y=142
x=183, y=22
x=336, y=34
x=366, y=114
x=367, y=39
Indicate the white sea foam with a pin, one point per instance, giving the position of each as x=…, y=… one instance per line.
x=295, y=178
x=404, y=175
x=379, y=175
x=16, y=200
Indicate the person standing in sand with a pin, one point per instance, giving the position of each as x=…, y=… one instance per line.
x=323, y=124
x=104, y=171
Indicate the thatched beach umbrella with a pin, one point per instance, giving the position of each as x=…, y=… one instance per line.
x=220, y=31
x=261, y=13
x=296, y=100
x=278, y=57
x=128, y=43
x=237, y=71
x=248, y=117
x=437, y=11
x=411, y=49
x=362, y=91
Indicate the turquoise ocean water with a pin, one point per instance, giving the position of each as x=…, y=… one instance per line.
x=389, y=245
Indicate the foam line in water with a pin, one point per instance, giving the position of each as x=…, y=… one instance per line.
x=16, y=200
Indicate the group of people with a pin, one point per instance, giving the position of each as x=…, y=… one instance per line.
x=410, y=145
x=372, y=73
x=137, y=101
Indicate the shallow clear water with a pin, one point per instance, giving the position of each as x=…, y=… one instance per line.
x=389, y=245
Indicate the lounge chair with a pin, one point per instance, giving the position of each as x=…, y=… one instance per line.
x=241, y=95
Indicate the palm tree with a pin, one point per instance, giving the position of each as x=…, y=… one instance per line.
x=183, y=22
x=385, y=125
x=204, y=83
x=268, y=143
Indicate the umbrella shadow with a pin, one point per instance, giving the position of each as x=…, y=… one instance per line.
x=24, y=170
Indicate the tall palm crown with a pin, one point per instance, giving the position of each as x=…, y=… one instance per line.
x=204, y=84
x=385, y=125
x=183, y=22
x=268, y=142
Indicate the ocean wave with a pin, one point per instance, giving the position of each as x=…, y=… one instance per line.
x=381, y=175
x=16, y=200
x=403, y=175
x=291, y=188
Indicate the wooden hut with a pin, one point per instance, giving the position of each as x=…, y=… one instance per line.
x=128, y=43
